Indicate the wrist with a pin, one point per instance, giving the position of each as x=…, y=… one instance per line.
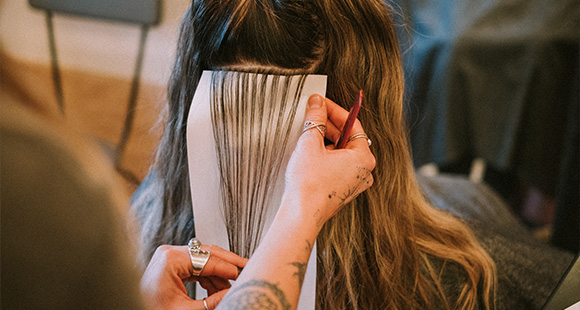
x=303, y=213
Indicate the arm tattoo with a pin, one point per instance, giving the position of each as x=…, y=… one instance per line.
x=256, y=295
x=318, y=216
x=302, y=266
x=300, y=272
x=308, y=246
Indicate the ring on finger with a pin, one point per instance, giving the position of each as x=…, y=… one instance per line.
x=360, y=135
x=310, y=124
x=205, y=304
x=198, y=256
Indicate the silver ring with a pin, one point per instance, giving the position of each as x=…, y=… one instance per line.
x=310, y=124
x=205, y=304
x=198, y=256
x=360, y=135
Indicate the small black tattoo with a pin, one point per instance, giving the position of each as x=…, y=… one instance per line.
x=308, y=246
x=300, y=272
x=351, y=193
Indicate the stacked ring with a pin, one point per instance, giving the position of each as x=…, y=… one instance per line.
x=198, y=256
x=309, y=125
x=360, y=135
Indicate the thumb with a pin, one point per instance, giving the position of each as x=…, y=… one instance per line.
x=316, y=110
x=214, y=299
x=316, y=114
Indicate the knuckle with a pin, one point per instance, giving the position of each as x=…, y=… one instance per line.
x=372, y=162
x=213, y=303
x=162, y=249
x=166, y=252
x=317, y=118
x=369, y=161
x=371, y=180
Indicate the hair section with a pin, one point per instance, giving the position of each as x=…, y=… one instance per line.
x=252, y=117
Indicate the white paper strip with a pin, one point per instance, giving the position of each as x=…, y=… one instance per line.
x=205, y=176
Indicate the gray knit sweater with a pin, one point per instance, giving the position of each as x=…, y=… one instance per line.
x=528, y=270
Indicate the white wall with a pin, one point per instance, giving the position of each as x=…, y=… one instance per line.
x=98, y=46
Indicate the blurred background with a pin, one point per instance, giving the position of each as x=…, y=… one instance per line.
x=492, y=89
x=96, y=60
x=492, y=92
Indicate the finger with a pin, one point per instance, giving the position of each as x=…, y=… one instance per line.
x=226, y=255
x=361, y=143
x=220, y=283
x=316, y=113
x=213, y=300
x=338, y=115
x=217, y=266
x=316, y=110
x=335, y=113
x=207, y=285
x=177, y=257
x=332, y=132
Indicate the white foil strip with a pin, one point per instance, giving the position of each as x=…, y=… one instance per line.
x=205, y=180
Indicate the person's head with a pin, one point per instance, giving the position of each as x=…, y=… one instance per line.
x=373, y=254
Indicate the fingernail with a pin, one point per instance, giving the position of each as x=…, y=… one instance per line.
x=315, y=101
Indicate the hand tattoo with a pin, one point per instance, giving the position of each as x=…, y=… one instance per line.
x=363, y=177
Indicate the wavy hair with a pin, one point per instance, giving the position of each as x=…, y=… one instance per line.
x=390, y=248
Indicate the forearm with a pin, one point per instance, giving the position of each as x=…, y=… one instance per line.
x=319, y=182
x=276, y=271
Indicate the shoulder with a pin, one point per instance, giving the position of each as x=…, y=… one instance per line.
x=61, y=220
x=528, y=270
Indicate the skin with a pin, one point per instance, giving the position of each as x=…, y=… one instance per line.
x=319, y=182
x=163, y=285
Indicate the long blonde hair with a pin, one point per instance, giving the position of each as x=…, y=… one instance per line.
x=389, y=248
